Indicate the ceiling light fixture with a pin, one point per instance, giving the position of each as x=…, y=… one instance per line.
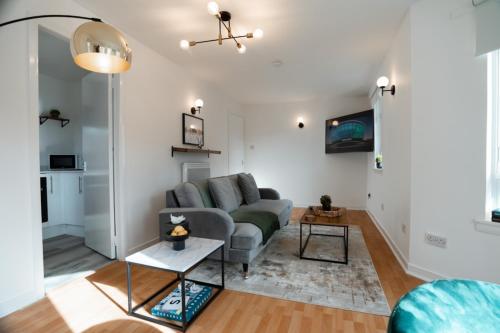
x=224, y=19
x=95, y=46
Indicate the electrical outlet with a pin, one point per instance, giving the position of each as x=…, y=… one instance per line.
x=435, y=240
x=403, y=228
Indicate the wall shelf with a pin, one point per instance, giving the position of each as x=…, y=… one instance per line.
x=63, y=121
x=194, y=150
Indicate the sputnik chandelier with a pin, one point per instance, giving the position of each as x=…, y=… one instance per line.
x=224, y=19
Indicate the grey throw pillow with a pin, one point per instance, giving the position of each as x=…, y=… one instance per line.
x=188, y=196
x=248, y=188
x=223, y=194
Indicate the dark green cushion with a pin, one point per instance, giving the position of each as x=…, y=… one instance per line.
x=267, y=222
x=454, y=306
x=202, y=186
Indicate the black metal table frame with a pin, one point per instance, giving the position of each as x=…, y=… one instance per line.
x=181, y=276
x=345, y=237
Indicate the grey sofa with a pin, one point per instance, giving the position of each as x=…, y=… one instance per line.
x=210, y=218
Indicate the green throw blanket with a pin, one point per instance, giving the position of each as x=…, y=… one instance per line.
x=267, y=222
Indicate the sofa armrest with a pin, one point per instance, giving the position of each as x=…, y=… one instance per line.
x=213, y=223
x=269, y=193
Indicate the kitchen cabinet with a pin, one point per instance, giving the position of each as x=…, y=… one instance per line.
x=65, y=197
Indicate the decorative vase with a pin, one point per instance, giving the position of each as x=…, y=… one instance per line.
x=379, y=165
x=179, y=245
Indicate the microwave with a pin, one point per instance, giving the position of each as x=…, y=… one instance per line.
x=66, y=162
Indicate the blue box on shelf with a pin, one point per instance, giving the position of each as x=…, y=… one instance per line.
x=170, y=307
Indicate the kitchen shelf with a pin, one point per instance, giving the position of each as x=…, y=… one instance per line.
x=63, y=121
x=194, y=150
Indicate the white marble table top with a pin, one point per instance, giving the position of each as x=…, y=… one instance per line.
x=161, y=255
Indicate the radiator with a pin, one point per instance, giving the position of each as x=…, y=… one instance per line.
x=195, y=171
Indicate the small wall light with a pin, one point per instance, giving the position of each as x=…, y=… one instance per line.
x=383, y=82
x=198, y=104
x=300, y=122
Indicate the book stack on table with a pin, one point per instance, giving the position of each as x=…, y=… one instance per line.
x=171, y=306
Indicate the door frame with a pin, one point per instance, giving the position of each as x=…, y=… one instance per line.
x=63, y=31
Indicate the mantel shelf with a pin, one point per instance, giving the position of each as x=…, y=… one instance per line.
x=194, y=150
x=63, y=121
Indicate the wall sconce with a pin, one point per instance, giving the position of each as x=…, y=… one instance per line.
x=300, y=122
x=198, y=104
x=382, y=82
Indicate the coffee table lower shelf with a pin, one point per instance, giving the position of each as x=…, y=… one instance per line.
x=181, y=277
x=344, y=236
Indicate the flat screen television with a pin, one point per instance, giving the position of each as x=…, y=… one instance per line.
x=351, y=133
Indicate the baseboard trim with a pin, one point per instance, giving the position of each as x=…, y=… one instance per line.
x=143, y=246
x=401, y=258
x=63, y=229
x=19, y=302
x=408, y=267
x=423, y=273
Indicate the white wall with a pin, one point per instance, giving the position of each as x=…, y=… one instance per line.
x=390, y=187
x=293, y=160
x=448, y=141
x=153, y=96
x=64, y=96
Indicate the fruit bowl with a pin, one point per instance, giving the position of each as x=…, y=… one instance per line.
x=178, y=241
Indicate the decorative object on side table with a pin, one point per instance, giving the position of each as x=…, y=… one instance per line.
x=326, y=202
x=178, y=232
x=333, y=212
x=193, y=132
x=378, y=161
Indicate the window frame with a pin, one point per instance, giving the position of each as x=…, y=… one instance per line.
x=377, y=129
x=493, y=162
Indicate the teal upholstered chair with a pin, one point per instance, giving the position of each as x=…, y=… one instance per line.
x=448, y=306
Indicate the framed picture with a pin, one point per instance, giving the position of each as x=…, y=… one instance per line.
x=193, y=131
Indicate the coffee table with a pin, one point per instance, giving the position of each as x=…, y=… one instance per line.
x=161, y=256
x=308, y=218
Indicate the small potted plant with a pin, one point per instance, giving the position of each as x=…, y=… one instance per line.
x=378, y=161
x=326, y=202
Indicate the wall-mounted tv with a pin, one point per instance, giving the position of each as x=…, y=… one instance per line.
x=351, y=133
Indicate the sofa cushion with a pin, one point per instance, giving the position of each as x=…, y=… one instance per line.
x=188, y=196
x=282, y=208
x=246, y=236
x=223, y=194
x=248, y=188
x=202, y=186
x=267, y=222
x=236, y=188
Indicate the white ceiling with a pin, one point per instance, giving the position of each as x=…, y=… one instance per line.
x=54, y=58
x=328, y=47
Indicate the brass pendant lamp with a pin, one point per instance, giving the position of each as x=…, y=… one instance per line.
x=95, y=46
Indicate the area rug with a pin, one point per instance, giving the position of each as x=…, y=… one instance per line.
x=278, y=272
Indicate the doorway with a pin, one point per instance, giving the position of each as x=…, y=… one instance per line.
x=76, y=110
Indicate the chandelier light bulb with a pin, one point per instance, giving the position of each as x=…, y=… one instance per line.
x=258, y=33
x=382, y=82
x=184, y=44
x=213, y=8
x=241, y=48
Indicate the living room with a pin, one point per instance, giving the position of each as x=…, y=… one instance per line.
x=420, y=216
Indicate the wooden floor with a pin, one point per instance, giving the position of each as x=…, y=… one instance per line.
x=66, y=258
x=98, y=303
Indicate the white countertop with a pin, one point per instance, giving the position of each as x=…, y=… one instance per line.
x=161, y=255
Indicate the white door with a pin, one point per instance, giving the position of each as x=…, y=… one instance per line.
x=236, y=144
x=97, y=154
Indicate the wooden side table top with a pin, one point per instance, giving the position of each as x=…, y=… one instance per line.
x=309, y=218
